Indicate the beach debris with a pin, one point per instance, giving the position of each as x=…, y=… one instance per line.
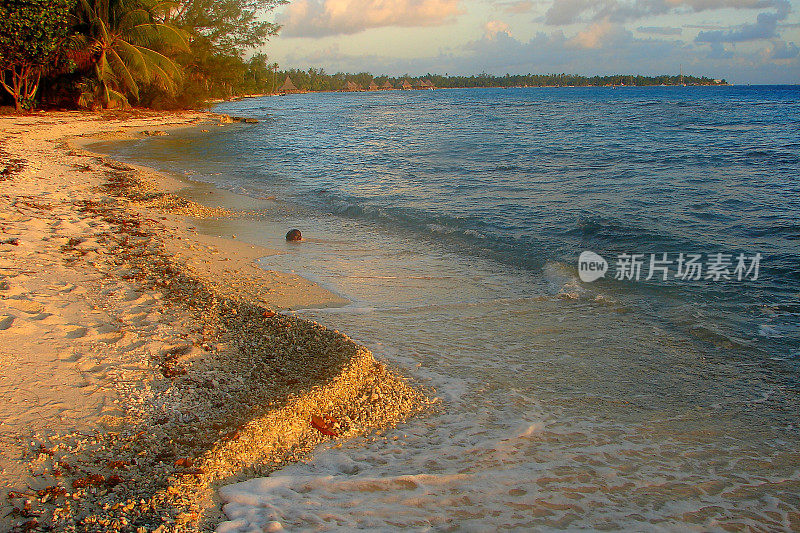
x=193, y=472
x=88, y=481
x=116, y=165
x=269, y=314
x=13, y=167
x=184, y=462
x=170, y=366
x=13, y=241
x=45, y=450
x=324, y=425
x=51, y=492
x=154, y=133
x=228, y=119
x=294, y=235
x=30, y=525
x=65, y=466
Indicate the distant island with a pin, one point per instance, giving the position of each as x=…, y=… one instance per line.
x=317, y=80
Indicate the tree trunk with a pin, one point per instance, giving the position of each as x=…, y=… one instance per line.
x=12, y=91
x=21, y=84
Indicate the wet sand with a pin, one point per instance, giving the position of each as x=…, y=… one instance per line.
x=145, y=364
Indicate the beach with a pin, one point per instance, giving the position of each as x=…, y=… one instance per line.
x=144, y=363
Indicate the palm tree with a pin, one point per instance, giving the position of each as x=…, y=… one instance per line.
x=127, y=43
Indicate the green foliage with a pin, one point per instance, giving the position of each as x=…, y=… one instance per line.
x=229, y=26
x=220, y=32
x=129, y=46
x=31, y=32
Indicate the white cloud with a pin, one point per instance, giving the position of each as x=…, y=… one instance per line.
x=320, y=18
x=593, y=36
x=494, y=27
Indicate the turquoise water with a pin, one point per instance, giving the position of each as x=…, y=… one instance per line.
x=453, y=221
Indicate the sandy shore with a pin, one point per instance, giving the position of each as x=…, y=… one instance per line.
x=144, y=364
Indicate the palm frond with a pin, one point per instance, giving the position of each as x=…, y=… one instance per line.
x=117, y=98
x=159, y=35
x=128, y=44
x=122, y=70
x=169, y=73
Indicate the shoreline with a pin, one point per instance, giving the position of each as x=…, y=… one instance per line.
x=192, y=379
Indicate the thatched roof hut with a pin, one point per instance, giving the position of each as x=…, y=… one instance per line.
x=406, y=86
x=373, y=86
x=351, y=86
x=288, y=86
x=386, y=85
x=423, y=84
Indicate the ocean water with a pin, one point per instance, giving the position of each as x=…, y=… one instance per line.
x=453, y=221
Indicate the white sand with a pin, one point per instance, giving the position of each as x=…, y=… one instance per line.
x=73, y=327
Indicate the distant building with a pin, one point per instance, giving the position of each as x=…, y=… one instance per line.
x=351, y=86
x=288, y=86
x=406, y=86
x=423, y=84
x=373, y=86
x=387, y=86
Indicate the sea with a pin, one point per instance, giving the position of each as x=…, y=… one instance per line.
x=601, y=286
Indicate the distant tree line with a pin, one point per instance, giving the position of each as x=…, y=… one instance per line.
x=318, y=80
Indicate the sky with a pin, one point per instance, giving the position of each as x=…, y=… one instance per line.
x=742, y=41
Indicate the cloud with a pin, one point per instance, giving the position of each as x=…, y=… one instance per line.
x=320, y=18
x=765, y=27
x=719, y=51
x=659, y=30
x=783, y=50
x=520, y=6
x=563, y=12
x=593, y=36
x=604, y=48
x=495, y=27
x=570, y=11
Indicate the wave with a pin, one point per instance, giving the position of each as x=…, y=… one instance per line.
x=477, y=234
